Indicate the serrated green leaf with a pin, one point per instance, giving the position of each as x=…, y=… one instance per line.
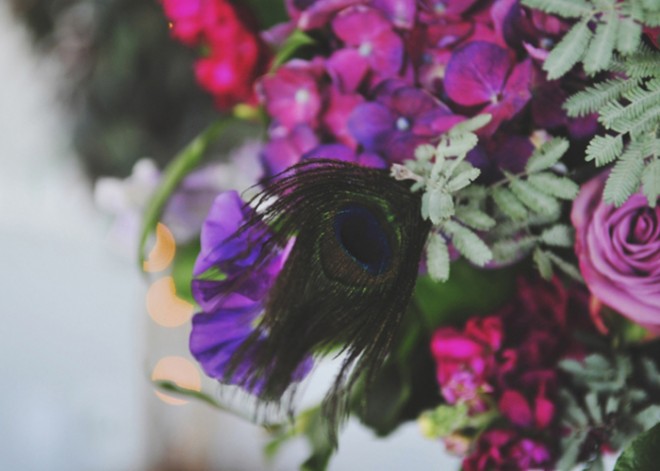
x=563, y=8
x=623, y=181
x=462, y=180
x=547, y=155
x=457, y=145
x=651, y=372
x=425, y=152
x=569, y=51
x=437, y=258
x=509, y=250
x=648, y=416
x=651, y=182
x=628, y=36
x=534, y=199
x=601, y=47
x=472, y=124
x=643, y=454
x=611, y=405
x=509, y=204
x=571, y=447
x=475, y=218
x=568, y=268
x=593, y=406
x=542, y=263
x=439, y=203
x=604, y=149
x=560, y=235
x=185, y=162
x=468, y=243
x=559, y=187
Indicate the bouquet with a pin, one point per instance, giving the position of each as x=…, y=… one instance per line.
x=457, y=198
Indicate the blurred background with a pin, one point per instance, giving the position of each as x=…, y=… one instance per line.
x=89, y=89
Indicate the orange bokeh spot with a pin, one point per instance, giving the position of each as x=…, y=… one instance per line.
x=163, y=252
x=181, y=372
x=164, y=306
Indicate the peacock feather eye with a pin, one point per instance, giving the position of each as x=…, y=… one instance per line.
x=347, y=279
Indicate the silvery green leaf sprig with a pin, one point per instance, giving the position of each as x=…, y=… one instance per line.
x=518, y=215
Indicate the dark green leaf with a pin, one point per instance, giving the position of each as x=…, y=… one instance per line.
x=643, y=454
x=454, y=300
x=293, y=43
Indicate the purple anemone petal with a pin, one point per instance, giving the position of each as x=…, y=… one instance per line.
x=369, y=122
x=347, y=67
x=400, y=12
x=285, y=147
x=476, y=73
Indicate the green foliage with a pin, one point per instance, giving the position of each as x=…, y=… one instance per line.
x=628, y=103
x=184, y=163
x=448, y=200
x=450, y=302
x=643, y=454
x=606, y=402
x=294, y=42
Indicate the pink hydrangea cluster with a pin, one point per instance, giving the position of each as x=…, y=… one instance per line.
x=228, y=32
x=393, y=74
x=508, y=360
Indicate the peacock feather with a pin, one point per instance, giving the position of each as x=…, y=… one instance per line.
x=347, y=279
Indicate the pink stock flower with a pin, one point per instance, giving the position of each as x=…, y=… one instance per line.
x=619, y=252
x=236, y=54
x=465, y=360
x=503, y=449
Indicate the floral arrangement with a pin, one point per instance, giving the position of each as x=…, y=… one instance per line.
x=459, y=198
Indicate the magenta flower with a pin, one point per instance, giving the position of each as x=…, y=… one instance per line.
x=619, y=252
x=230, y=307
x=368, y=32
x=466, y=360
x=312, y=14
x=291, y=95
x=286, y=147
x=401, y=118
x=504, y=449
x=185, y=16
x=484, y=74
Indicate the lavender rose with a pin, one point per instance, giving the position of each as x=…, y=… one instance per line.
x=619, y=252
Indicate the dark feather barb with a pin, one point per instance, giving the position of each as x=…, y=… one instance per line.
x=348, y=277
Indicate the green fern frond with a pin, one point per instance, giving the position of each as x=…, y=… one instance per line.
x=604, y=149
x=569, y=50
x=629, y=36
x=643, y=63
x=595, y=97
x=565, y=8
x=624, y=180
x=616, y=116
x=651, y=182
x=601, y=47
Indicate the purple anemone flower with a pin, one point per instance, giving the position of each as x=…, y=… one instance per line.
x=484, y=74
x=231, y=302
x=401, y=118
